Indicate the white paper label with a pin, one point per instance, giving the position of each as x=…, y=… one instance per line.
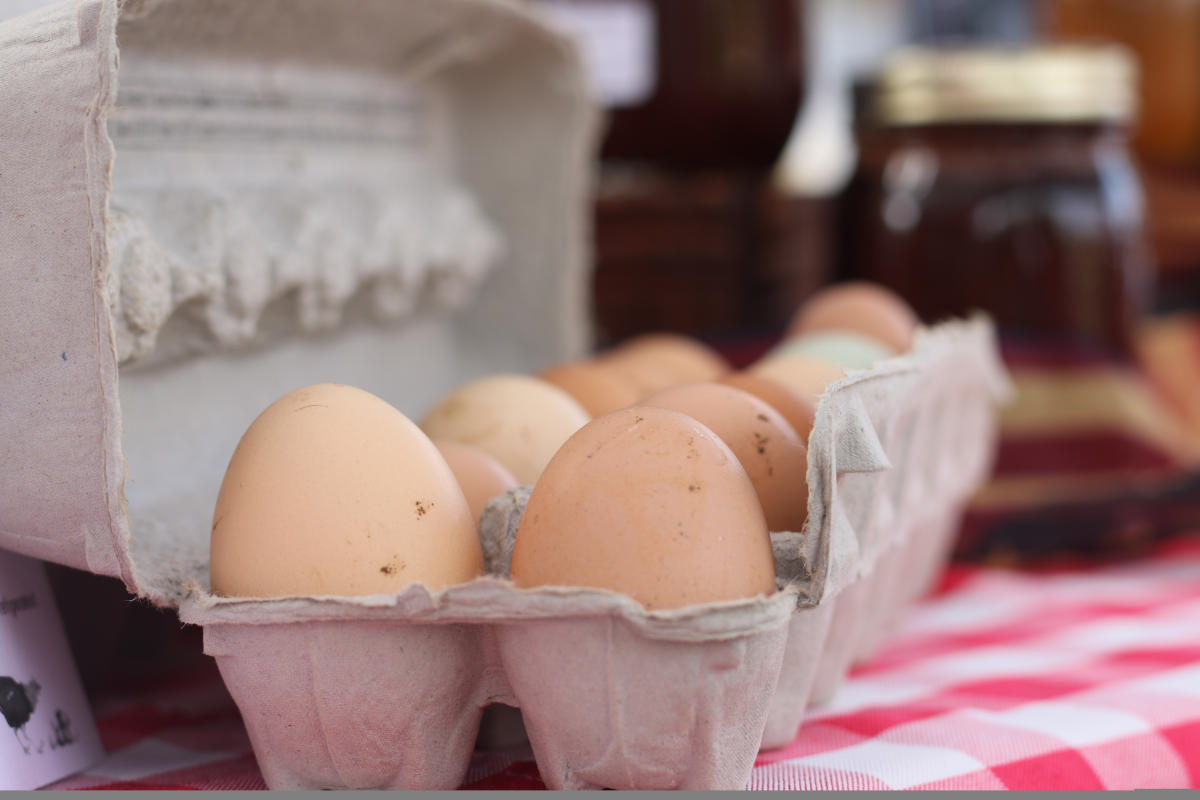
x=617, y=39
x=46, y=726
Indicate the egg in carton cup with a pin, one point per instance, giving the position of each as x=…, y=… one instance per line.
x=387, y=691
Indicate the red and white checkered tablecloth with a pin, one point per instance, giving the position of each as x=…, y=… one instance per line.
x=1088, y=679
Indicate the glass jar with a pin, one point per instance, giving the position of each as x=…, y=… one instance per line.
x=1000, y=179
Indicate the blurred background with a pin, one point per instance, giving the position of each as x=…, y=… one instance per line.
x=1035, y=159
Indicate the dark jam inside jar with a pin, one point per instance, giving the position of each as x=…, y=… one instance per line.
x=1039, y=224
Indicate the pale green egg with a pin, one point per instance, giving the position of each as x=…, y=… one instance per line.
x=843, y=348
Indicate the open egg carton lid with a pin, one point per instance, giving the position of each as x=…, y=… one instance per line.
x=207, y=203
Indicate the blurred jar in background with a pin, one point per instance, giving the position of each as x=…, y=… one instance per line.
x=1000, y=179
x=1165, y=36
x=700, y=98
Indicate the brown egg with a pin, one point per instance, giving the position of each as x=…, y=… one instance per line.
x=805, y=374
x=599, y=389
x=858, y=306
x=480, y=476
x=332, y=491
x=655, y=361
x=650, y=503
x=798, y=409
x=768, y=447
x=518, y=420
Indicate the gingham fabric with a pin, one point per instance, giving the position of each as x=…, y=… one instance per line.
x=1083, y=679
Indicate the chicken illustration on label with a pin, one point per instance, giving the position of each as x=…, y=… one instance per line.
x=41, y=697
x=17, y=703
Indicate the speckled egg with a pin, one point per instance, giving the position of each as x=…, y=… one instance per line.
x=650, y=503
x=769, y=448
x=798, y=409
x=332, y=491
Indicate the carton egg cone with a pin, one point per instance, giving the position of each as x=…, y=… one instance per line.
x=354, y=705
x=640, y=713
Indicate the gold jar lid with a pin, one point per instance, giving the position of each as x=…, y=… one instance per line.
x=1041, y=84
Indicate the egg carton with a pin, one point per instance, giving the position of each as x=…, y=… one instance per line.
x=387, y=691
x=148, y=241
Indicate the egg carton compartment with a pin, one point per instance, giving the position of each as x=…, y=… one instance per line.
x=387, y=691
